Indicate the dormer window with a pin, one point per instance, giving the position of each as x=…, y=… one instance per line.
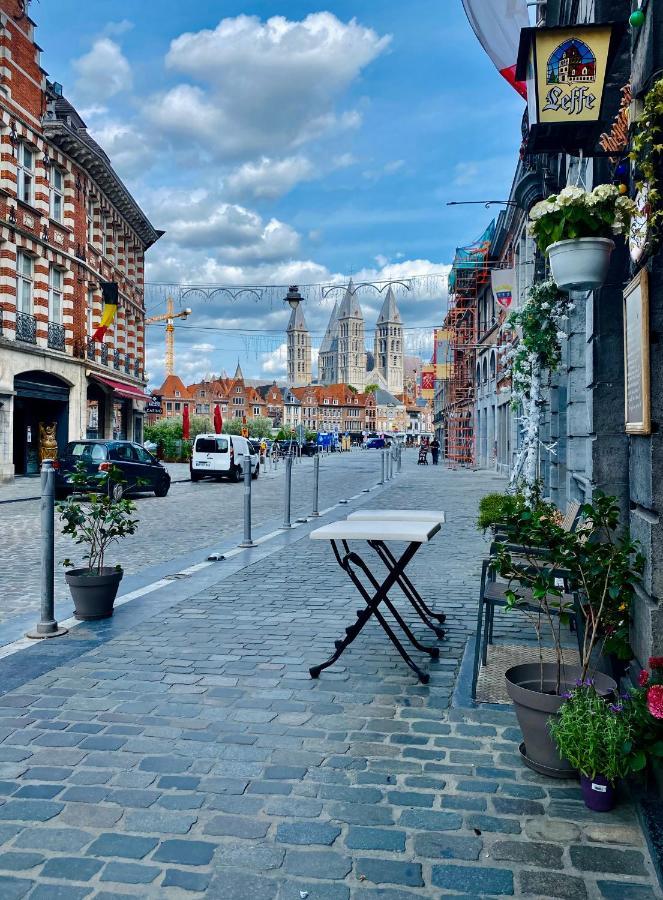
x=178, y=394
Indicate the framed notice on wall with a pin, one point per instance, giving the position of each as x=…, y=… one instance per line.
x=636, y=355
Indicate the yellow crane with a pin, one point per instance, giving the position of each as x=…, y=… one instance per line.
x=169, y=318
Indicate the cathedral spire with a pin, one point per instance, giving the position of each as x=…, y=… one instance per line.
x=238, y=372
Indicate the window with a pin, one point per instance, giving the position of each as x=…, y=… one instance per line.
x=23, y=282
x=55, y=295
x=104, y=235
x=237, y=401
x=178, y=394
x=238, y=390
x=178, y=407
x=238, y=413
x=90, y=220
x=169, y=406
x=256, y=410
x=25, y=174
x=142, y=454
x=57, y=194
x=90, y=311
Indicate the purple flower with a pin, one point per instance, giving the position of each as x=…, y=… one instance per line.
x=626, y=696
x=615, y=707
x=567, y=695
x=579, y=682
x=588, y=682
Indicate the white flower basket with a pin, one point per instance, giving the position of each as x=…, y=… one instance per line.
x=581, y=264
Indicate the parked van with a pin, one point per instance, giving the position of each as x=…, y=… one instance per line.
x=222, y=456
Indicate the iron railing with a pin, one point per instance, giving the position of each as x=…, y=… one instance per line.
x=91, y=349
x=56, y=336
x=137, y=368
x=127, y=365
x=26, y=328
x=116, y=359
x=104, y=354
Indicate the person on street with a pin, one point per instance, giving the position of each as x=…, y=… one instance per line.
x=435, y=450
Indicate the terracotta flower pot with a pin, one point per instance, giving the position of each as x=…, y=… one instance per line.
x=93, y=595
x=536, y=701
x=581, y=264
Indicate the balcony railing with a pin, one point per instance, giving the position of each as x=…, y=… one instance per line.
x=91, y=349
x=116, y=359
x=127, y=365
x=137, y=368
x=56, y=336
x=104, y=354
x=26, y=328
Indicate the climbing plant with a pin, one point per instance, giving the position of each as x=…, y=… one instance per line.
x=647, y=155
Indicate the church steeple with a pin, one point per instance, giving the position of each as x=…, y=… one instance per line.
x=388, y=346
x=328, y=354
x=351, y=341
x=238, y=372
x=299, y=343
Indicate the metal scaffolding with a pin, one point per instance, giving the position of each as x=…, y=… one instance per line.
x=469, y=274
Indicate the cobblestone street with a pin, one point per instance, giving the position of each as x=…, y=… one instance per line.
x=188, y=753
x=205, y=512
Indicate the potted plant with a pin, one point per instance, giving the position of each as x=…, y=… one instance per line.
x=598, y=738
x=603, y=569
x=97, y=521
x=575, y=229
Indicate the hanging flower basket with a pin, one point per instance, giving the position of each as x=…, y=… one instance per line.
x=580, y=264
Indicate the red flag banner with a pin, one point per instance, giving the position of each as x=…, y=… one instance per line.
x=186, y=424
x=218, y=420
x=497, y=24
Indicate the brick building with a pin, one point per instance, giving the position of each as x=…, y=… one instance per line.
x=67, y=223
x=332, y=407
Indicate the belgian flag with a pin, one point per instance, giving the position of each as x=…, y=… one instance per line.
x=110, y=294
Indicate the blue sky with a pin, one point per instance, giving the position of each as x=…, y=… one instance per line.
x=299, y=148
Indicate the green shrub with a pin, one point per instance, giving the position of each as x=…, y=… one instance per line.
x=496, y=508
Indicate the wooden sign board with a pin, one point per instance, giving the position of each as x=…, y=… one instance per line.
x=636, y=356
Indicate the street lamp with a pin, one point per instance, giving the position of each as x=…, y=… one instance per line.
x=293, y=298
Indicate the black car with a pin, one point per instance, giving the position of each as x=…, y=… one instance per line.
x=141, y=471
x=309, y=448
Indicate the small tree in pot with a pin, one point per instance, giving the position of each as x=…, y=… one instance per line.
x=603, y=569
x=96, y=522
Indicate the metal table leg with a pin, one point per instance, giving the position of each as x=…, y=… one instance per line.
x=415, y=598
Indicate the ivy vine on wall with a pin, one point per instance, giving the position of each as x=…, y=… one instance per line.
x=647, y=155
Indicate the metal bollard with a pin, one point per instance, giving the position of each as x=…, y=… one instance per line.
x=288, y=487
x=316, y=483
x=400, y=459
x=47, y=627
x=381, y=481
x=247, y=542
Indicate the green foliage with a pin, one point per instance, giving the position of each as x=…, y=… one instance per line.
x=352, y=389
x=260, y=427
x=286, y=434
x=597, y=737
x=505, y=509
x=311, y=436
x=647, y=154
x=601, y=565
x=370, y=388
x=98, y=521
x=575, y=213
x=167, y=434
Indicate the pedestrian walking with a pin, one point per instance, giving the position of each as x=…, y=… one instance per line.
x=435, y=450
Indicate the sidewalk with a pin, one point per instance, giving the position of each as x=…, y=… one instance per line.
x=189, y=754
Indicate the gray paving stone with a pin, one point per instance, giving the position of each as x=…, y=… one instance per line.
x=620, y=890
x=472, y=804
x=129, y=873
x=39, y=791
x=293, y=890
x=430, y=820
x=14, y=888
x=237, y=826
x=253, y=857
x=166, y=764
x=90, y=816
x=157, y=822
x=447, y=846
x=187, y=881
x=410, y=798
x=545, y=856
x=605, y=859
x=136, y=798
x=375, y=839
x=553, y=884
x=514, y=807
x=71, y=868
x=474, y=880
x=290, y=806
x=59, y=892
x=359, y=814
x=388, y=871
x=16, y=861
x=317, y=864
x=492, y=823
x=30, y=810
x=307, y=833
x=123, y=845
x=233, y=884
x=85, y=794
x=188, y=853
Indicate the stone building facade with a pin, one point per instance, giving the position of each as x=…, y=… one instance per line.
x=67, y=223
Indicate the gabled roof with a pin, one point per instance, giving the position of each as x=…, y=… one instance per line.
x=350, y=308
x=331, y=334
x=389, y=311
x=384, y=398
x=171, y=384
x=297, y=321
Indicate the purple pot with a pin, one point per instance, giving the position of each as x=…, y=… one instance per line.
x=597, y=793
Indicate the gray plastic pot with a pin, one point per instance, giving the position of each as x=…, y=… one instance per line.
x=535, y=707
x=93, y=595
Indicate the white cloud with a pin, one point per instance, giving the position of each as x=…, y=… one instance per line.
x=263, y=87
x=117, y=29
x=128, y=149
x=276, y=362
x=103, y=72
x=269, y=178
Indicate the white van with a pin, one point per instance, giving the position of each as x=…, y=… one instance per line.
x=221, y=455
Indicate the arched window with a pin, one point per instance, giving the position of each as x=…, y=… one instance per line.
x=485, y=370
x=478, y=373
x=493, y=365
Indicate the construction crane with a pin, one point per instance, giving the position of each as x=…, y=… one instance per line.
x=169, y=318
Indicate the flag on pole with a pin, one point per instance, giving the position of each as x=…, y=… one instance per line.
x=110, y=297
x=186, y=425
x=497, y=24
x=218, y=420
x=504, y=284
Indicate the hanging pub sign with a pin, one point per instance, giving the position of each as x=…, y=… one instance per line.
x=565, y=71
x=153, y=406
x=503, y=282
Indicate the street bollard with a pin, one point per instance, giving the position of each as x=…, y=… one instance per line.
x=247, y=542
x=387, y=454
x=47, y=627
x=381, y=481
x=288, y=487
x=316, y=483
x=400, y=458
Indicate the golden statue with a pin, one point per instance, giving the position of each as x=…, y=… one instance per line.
x=48, y=445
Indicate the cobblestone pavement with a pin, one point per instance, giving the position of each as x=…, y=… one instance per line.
x=192, y=756
x=204, y=512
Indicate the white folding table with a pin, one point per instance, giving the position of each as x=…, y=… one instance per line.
x=377, y=534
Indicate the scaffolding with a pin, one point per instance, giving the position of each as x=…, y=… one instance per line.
x=469, y=274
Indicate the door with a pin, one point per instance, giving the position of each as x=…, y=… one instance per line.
x=124, y=457
x=146, y=468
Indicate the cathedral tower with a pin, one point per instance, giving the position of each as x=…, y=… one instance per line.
x=389, y=357
x=328, y=355
x=299, y=348
x=351, y=341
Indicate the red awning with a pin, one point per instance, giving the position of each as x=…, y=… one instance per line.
x=123, y=390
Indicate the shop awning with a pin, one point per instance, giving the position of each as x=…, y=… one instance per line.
x=122, y=389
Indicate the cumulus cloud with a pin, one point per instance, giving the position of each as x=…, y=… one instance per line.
x=102, y=72
x=128, y=148
x=263, y=86
x=269, y=178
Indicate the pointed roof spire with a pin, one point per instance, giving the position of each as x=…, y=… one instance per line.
x=297, y=321
x=389, y=311
x=350, y=308
x=331, y=333
x=238, y=372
